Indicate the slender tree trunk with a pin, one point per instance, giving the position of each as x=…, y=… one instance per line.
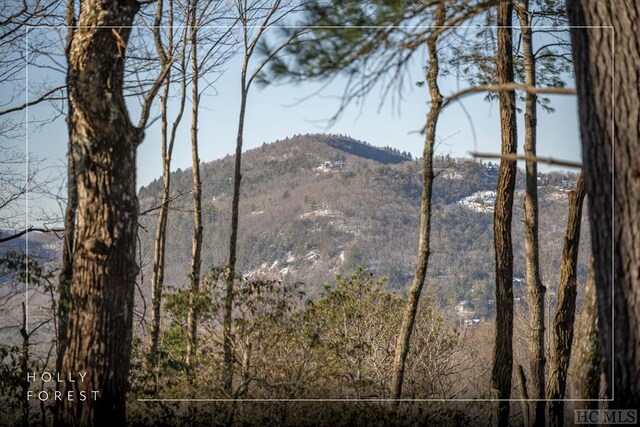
x=157, y=277
x=408, y=320
x=587, y=359
x=235, y=209
x=233, y=243
x=247, y=16
x=563, y=323
x=196, y=251
x=606, y=66
x=104, y=267
x=503, y=347
x=157, y=280
x=535, y=287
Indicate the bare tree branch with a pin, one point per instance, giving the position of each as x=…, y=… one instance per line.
x=45, y=97
x=507, y=87
x=29, y=230
x=538, y=159
x=151, y=94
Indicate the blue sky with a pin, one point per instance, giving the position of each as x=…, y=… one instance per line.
x=277, y=112
x=280, y=111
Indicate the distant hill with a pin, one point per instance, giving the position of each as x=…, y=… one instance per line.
x=44, y=250
x=313, y=206
x=44, y=246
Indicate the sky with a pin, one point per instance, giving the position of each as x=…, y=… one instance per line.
x=274, y=113
x=277, y=112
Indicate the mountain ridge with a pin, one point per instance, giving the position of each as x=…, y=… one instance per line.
x=313, y=206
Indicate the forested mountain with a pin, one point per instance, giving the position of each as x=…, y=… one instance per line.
x=314, y=206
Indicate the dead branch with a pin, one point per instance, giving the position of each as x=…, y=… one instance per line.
x=538, y=159
x=507, y=87
x=29, y=230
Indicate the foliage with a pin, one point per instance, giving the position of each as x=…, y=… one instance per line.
x=337, y=346
x=11, y=382
x=472, y=57
x=24, y=348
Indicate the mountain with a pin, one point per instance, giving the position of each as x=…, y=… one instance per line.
x=313, y=206
x=44, y=247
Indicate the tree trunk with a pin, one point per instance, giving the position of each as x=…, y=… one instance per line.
x=408, y=320
x=563, y=324
x=235, y=209
x=104, y=266
x=68, y=241
x=526, y=410
x=609, y=108
x=503, y=347
x=68, y=246
x=233, y=243
x=157, y=280
x=587, y=359
x=535, y=287
x=196, y=247
x=157, y=277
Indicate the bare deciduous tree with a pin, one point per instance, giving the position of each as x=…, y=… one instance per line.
x=533, y=280
x=404, y=336
x=104, y=141
x=168, y=138
x=196, y=243
x=255, y=17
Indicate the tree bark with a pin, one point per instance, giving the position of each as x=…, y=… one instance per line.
x=196, y=247
x=503, y=347
x=526, y=410
x=104, y=268
x=536, y=289
x=606, y=67
x=69, y=239
x=563, y=323
x=408, y=320
x=587, y=360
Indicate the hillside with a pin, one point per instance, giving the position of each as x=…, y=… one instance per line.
x=313, y=206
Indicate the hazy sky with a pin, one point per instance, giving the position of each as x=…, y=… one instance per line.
x=278, y=112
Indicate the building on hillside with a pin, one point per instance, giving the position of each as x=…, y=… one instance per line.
x=330, y=165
